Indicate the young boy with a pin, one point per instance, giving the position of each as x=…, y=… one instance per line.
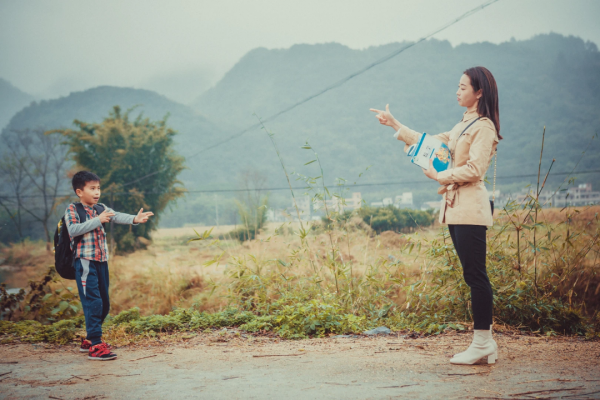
x=91, y=256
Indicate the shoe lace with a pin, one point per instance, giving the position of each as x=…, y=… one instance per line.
x=100, y=349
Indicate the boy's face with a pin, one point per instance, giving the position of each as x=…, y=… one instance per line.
x=90, y=194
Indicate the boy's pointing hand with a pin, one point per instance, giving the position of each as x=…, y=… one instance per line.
x=142, y=216
x=105, y=216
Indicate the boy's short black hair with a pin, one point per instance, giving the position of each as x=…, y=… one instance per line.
x=81, y=178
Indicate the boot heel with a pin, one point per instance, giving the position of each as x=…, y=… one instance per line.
x=491, y=359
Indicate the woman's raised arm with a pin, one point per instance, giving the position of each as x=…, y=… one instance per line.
x=403, y=132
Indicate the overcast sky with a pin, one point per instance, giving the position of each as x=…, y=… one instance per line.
x=180, y=47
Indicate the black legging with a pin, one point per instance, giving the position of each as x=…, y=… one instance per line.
x=470, y=244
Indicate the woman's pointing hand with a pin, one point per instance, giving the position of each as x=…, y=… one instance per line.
x=386, y=118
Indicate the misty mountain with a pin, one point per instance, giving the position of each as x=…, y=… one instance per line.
x=93, y=105
x=11, y=101
x=549, y=80
x=181, y=86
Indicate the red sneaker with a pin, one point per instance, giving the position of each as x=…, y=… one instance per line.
x=101, y=352
x=85, y=345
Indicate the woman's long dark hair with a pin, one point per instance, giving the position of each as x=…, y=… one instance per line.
x=482, y=79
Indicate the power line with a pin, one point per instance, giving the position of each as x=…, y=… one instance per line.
x=391, y=183
x=330, y=87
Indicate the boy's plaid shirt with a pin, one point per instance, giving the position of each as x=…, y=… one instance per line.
x=92, y=245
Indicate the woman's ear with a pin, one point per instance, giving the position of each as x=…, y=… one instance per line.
x=479, y=94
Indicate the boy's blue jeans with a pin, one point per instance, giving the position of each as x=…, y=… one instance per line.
x=92, y=282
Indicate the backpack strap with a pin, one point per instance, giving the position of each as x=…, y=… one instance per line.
x=99, y=208
x=82, y=217
x=81, y=212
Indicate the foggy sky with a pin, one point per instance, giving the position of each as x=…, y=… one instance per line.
x=179, y=48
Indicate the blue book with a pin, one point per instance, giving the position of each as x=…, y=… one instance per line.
x=430, y=148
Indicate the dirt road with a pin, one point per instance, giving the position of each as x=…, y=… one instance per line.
x=225, y=365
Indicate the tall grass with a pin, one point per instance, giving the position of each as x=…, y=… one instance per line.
x=537, y=273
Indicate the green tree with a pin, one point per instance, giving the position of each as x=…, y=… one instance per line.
x=137, y=166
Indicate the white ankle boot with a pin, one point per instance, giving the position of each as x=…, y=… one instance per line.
x=483, y=346
x=495, y=346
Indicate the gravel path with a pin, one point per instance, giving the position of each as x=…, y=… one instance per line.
x=225, y=365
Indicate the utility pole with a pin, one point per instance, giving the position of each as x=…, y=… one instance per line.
x=112, y=224
x=216, y=210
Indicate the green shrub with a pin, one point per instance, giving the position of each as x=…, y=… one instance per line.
x=61, y=332
x=390, y=218
x=314, y=318
x=42, y=302
x=124, y=316
x=520, y=300
x=242, y=234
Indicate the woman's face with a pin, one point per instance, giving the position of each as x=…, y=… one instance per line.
x=465, y=95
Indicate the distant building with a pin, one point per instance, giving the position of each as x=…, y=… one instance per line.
x=303, y=204
x=290, y=213
x=431, y=205
x=405, y=200
x=276, y=215
x=582, y=195
x=340, y=205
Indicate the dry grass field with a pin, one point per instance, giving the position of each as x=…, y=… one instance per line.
x=350, y=260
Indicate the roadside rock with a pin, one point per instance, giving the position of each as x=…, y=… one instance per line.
x=382, y=330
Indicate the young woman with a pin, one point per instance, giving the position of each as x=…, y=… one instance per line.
x=465, y=205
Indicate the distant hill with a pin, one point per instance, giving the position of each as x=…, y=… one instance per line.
x=11, y=101
x=94, y=104
x=548, y=80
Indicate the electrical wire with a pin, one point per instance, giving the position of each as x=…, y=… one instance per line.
x=330, y=87
x=392, y=183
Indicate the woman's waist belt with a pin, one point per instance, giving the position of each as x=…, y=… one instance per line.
x=452, y=190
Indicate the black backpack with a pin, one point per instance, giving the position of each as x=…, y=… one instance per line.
x=64, y=261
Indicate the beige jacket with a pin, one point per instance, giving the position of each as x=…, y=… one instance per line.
x=466, y=200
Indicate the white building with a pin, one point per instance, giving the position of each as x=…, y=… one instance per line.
x=303, y=203
x=276, y=215
x=582, y=195
x=405, y=200
x=340, y=205
x=290, y=213
x=431, y=205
